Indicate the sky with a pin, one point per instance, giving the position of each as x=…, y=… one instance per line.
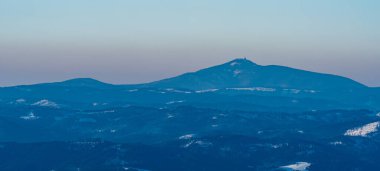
x=125, y=41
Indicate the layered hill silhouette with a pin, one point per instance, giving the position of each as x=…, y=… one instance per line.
x=239, y=83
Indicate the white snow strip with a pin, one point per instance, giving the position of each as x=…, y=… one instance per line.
x=45, y=103
x=234, y=63
x=188, y=144
x=172, y=102
x=20, y=100
x=206, y=91
x=186, y=137
x=364, y=130
x=177, y=91
x=254, y=89
x=310, y=91
x=296, y=91
x=203, y=143
x=299, y=166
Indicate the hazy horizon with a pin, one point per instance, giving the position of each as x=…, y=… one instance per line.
x=127, y=42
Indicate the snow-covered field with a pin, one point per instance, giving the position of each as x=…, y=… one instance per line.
x=364, y=130
x=299, y=166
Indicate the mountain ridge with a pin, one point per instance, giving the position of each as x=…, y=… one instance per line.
x=242, y=72
x=238, y=63
x=237, y=83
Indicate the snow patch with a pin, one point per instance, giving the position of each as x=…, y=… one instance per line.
x=186, y=137
x=206, y=91
x=177, y=91
x=299, y=166
x=264, y=89
x=200, y=143
x=30, y=116
x=310, y=91
x=364, y=130
x=188, y=144
x=45, y=103
x=234, y=63
x=203, y=143
x=276, y=146
x=296, y=91
x=20, y=101
x=173, y=102
x=336, y=143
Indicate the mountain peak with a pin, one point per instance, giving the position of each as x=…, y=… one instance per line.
x=241, y=61
x=82, y=82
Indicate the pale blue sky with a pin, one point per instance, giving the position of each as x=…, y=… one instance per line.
x=121, y=41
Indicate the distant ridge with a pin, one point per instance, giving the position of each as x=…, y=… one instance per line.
x=76, y=82
x=242, y=72
x=238, y=73
x=240, y=83
x=81, y=82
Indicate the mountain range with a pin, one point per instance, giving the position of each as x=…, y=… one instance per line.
x=239, y=81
